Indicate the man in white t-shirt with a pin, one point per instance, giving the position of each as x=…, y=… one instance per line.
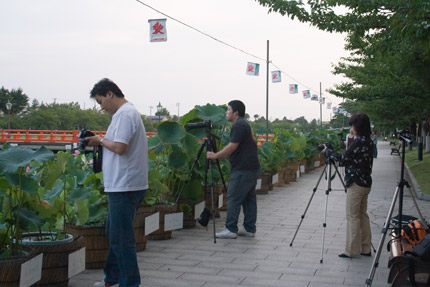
x=125, y=177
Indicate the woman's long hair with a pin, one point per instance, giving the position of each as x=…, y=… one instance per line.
x=361, y=124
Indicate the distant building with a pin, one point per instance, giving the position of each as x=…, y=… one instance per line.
x=157, y=119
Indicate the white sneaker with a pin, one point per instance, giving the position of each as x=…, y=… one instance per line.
x=226, y=234
x=243, y=232
x=104, y=284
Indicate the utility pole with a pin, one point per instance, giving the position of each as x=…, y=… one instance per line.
x=177, y=104
x=267, y=93
x=320, y=106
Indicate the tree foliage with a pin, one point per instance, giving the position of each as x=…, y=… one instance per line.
x=17, y=98
x=389, y=43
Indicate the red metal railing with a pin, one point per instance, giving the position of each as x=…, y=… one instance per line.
x=262, y=139
x=46, y=136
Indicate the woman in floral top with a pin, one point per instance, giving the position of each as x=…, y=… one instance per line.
x=358, y=161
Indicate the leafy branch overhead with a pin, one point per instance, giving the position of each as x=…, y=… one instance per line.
x=389, y=44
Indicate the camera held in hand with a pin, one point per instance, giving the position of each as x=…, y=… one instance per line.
x=83, y=133
x=98, y=150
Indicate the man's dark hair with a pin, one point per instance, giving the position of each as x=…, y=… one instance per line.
x=238, y=106
x=361, y=124
x=103, y=87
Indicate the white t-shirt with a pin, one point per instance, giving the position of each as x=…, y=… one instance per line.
x=127, y=172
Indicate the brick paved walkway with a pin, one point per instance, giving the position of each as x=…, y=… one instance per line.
x=191, y=258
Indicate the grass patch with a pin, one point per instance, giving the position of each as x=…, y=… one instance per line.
x=420, y=169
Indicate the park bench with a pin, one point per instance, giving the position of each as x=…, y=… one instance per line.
x=400, y=263
x=395, y=149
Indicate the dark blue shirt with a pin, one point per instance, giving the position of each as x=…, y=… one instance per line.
x=245, y=157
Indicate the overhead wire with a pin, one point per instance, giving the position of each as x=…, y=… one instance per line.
x=224, y=43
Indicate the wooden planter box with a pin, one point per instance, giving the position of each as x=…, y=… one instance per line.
x=164, y=209
x=10, y=270
x=218, y=190
x=281, y=177
x=97, y=245
x=265, y=179
x=55, y=266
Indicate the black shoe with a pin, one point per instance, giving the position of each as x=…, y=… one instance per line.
x=343, y=255
x=366, y=254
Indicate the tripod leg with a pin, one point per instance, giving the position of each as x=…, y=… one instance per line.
x=375, y=262
x=213, y=196
x=340, y=177
x=309, y=203
x=327, y=192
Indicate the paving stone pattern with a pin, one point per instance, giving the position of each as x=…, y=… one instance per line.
x=191, y=258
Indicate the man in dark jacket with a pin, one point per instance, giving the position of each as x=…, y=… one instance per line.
x=245, y=167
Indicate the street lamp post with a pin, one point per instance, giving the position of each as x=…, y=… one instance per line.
x=159, y=106
x=8, y=107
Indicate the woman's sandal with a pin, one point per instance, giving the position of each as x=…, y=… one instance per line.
x=343, y=255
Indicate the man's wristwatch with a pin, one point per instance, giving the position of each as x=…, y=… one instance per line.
x=101, y=141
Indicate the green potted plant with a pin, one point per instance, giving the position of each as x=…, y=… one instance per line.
x=18, y=187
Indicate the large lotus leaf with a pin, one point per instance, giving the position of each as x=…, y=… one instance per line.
x=171, y=132
x=11, y=159
x=4, y=183
x=190, y=144
x=61, y=159
x=5, y=207
x=80, y=175
x=79, y=193
x=191, y=116
x=155, y=144
x=27, y=184
x=28, y=218
x=97, y=214
x=266, y=150
x=52, y=174
x=193, y=191
x=55, y=192
x=213, y=113
x=81, y=212
x=197, y=133
x=177, y=157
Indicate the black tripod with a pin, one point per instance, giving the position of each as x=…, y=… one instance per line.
x=210, y=145
x=398, y=193
x=329, y=177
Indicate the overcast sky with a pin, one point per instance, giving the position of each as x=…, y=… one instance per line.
x=57, y=50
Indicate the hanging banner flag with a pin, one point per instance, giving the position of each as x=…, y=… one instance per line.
x=276, y=76
x=157, y=30
x=348, y=115
x=345, y=112
x=328, y=106
x=322, y=101
x=306, y=94
x=294, y=89
x=314, y=97
x=252, y=69
x=335, y=110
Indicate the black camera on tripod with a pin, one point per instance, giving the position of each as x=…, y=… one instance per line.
x=97, y=152
x=206, y=124
x=327, y=144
